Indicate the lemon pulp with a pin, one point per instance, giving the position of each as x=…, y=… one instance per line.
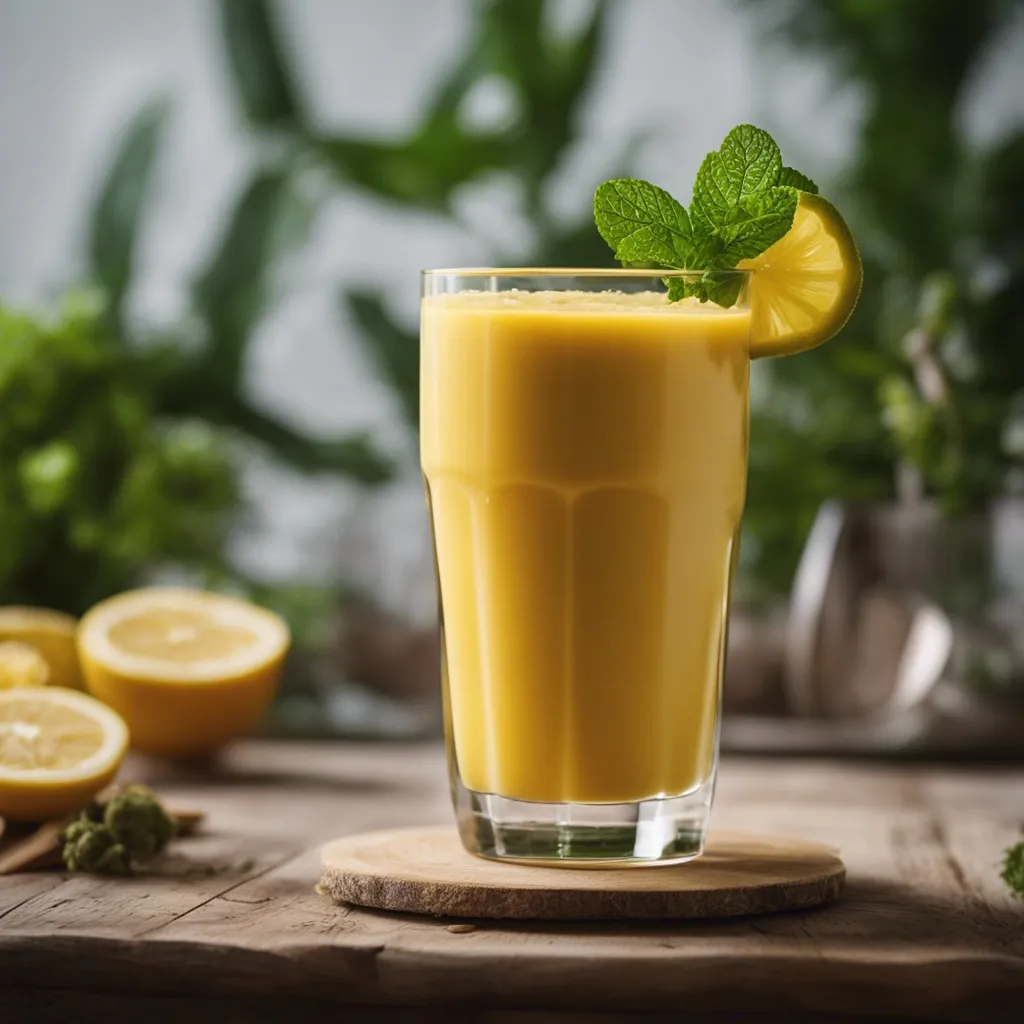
x=189, y=670
x=58, y=748
x=805, y=286
x=21, y=665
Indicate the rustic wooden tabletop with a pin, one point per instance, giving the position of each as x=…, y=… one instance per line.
x=230, y=927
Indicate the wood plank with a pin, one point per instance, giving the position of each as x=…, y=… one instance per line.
x=34, y=1007
x=925, y=927
x=132, y=907
x=16, y=890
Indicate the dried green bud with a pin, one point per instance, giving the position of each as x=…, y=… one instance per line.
x=1013, y=869
x=92, y=811
x=92, y=847
x=138, y=822
x=110, y=836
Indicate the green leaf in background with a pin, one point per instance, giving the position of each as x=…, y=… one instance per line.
x=353, y=456
x=423, y=171
x=425, y=168
x=255, y=52
x=926, y=204
x=395, y=350
x=231, y=292
x=114, y=226
x=551, y=77
x=48, y=476
x=96, y=486
x=572, y=244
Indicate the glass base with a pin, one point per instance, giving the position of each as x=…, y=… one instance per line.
x=661, y=830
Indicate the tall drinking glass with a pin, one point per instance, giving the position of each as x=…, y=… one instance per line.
x=584, y=448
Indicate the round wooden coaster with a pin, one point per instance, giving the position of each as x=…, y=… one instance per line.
x=427, y=871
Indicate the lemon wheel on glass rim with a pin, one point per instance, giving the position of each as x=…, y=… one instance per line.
x=806, y=285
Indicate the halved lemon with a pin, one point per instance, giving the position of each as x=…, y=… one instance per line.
x=49, y=632
x=805, y=286
x=58, y=749
x=189, y=670
x=21, y=665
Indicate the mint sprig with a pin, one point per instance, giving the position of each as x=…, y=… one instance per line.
x=744, y=200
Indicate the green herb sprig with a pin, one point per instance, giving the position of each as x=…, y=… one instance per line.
x=744, y=200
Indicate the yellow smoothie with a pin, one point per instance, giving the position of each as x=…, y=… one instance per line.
x=585, y=461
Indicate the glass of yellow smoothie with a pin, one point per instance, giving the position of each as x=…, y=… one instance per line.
x=584, y=450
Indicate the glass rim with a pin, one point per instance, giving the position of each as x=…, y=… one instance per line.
x=619, y=272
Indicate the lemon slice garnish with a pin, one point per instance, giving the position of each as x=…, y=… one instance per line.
x=805, y=286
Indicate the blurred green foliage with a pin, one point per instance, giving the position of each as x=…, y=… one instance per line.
x=95, y=486
x=117, y=448
x=922, y=390
x=928, y=377
x=546, y=78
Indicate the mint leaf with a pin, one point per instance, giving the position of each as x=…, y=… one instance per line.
x=763, y=220
x=744, y=201
x=678, y=288
x=643, y=223
x=794, y=179
x=712, y=286
x=747, y=163
x=722, y=289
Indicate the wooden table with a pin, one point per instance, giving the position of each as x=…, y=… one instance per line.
x=231, y=928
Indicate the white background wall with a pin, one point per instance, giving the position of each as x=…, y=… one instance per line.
x=72, y=72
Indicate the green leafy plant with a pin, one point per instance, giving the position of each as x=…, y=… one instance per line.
x=230, y=293
x=929, y=373
x=95, y=485
x=118, y=449
x=925, y=384
x=548, y=78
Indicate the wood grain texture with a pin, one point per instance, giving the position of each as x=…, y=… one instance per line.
x=427, y=871
x=925, y=929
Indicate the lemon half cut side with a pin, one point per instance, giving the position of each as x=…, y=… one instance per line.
x=58, y=749
x=189, y=670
